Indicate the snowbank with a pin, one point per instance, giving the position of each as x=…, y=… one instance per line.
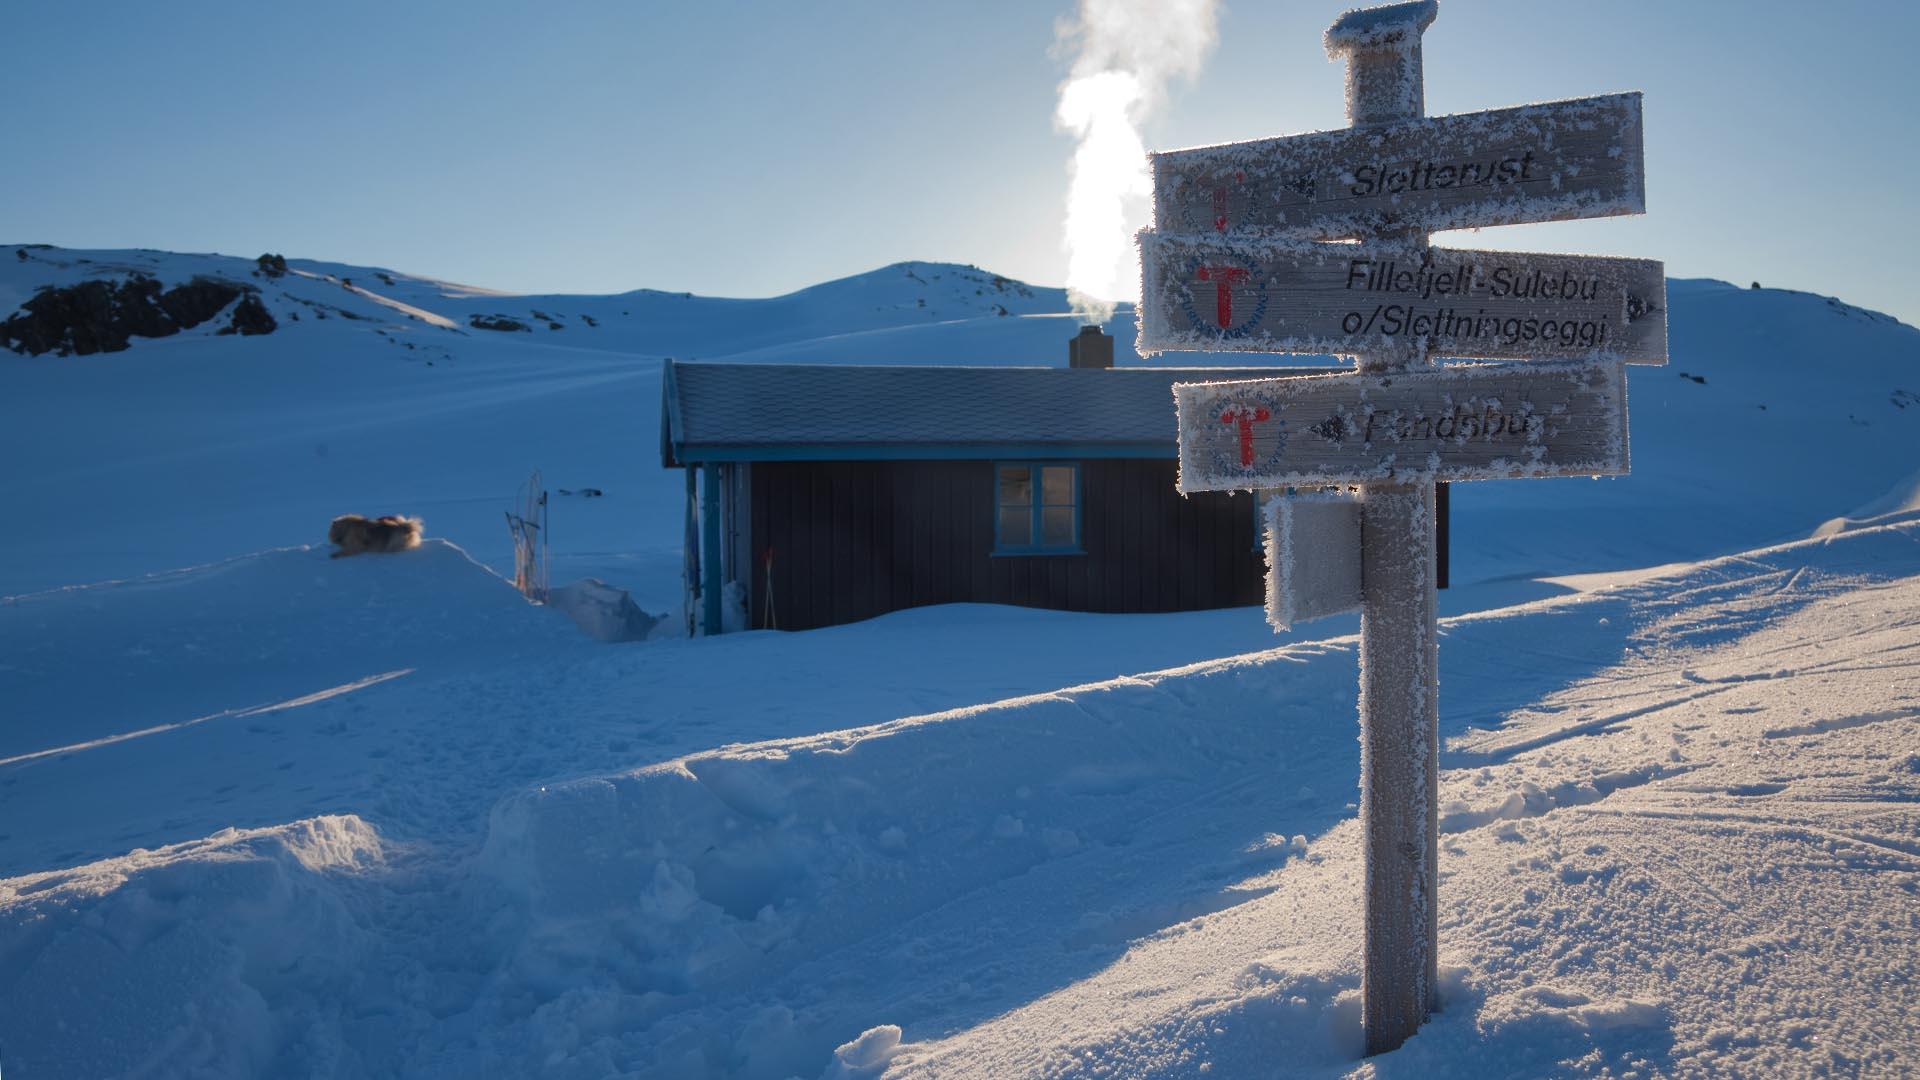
x=1678, y=821
x=96, y=661
x=1900, y=503
x=215, y=958
x=927, y=872
x=250, y=692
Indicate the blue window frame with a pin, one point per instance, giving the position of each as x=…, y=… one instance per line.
x=1036, y=508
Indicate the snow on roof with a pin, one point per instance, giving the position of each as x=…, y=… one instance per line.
x=757, y=411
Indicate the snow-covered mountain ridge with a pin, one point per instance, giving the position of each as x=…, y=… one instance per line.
x=299, y=293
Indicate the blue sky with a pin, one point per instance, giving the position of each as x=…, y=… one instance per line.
x=751, y=149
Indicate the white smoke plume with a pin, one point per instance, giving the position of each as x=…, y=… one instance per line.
x=1125, y=51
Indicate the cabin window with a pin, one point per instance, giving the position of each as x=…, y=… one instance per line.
x=1037, y=509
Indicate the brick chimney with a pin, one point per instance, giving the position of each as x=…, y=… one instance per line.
x=1091, y=349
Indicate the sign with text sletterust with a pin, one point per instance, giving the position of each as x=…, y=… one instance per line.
x=1217, y=293
x=1482, y=422
x=1548, y=162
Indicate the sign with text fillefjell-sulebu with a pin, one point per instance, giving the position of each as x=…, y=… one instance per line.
x=1219, y=293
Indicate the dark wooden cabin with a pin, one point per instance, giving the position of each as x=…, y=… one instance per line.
x=831, y=494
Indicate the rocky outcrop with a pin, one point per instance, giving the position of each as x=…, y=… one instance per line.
x=497, y=322
x=250, y=317
x=103, y=315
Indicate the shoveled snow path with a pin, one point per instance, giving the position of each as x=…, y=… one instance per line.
x=1703, y=859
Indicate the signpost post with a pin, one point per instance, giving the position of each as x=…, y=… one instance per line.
x=1235, y=262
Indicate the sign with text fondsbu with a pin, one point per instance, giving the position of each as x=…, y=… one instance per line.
x=1483, y=422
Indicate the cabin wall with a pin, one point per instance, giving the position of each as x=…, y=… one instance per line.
x=855, y=539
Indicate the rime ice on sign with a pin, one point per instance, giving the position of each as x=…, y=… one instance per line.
x=1313, y=557
x=1549, y=162
x=1219, y=293
x=1480, y=422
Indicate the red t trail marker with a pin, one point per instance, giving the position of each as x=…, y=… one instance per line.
x=1223, y=279
x=1244, y=266
x=1243, y=420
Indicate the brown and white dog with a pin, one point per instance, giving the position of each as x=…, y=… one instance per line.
x=355, y=534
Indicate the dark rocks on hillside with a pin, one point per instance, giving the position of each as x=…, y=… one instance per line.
x=197, y=301
x=272, y=265
x=102, y=315
x=496, y=322
x=251, y=317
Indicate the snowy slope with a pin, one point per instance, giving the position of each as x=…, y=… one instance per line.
x=414, y=689
x=1679, y=837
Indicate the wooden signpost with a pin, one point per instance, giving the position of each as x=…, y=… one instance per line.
x=1233, y=262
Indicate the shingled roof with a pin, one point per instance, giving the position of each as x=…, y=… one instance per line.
x=759, y=412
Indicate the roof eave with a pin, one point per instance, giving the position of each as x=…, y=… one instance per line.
x=957, y=451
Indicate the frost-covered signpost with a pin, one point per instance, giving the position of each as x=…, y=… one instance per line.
x=1237, y=261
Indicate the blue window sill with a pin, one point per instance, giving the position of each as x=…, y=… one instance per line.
x=1009, y=553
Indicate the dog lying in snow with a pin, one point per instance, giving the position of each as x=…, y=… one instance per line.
x=355, y=534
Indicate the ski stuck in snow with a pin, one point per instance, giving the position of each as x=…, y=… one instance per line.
x=1238, y=259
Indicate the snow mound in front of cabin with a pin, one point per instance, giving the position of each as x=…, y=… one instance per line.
x=92, y=661
x=254, y=691
x=211, y=958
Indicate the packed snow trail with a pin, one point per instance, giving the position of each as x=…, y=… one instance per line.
x=1702, y=859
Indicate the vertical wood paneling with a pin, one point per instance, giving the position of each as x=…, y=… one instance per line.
x=978, y=523
x=1127, y=544
x=1151, y=509
x=850, y=566
x=757, y=518
x=889, y=512
x=852, y=540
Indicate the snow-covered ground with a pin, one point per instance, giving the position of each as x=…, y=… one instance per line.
x=263, y=812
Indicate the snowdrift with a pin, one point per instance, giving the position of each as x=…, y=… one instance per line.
x=245, y=692
x=237, y=634
x=229, y=956
x=926, y=872
x=1678, y=833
